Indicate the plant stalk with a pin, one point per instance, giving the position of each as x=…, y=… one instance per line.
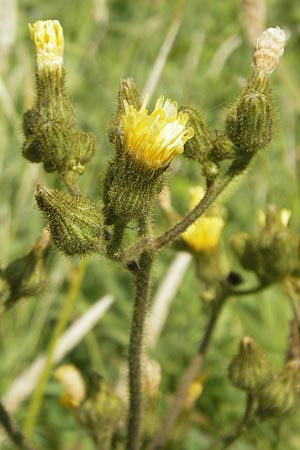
x=140, y=309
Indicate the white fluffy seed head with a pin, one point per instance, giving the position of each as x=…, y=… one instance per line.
x=269, y=47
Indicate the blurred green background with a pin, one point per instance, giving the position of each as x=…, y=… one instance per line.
x=209, y=61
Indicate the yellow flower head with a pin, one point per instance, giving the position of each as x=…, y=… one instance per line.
x=48, y=38
x=204, y=234
x=154, y=139
x=73, y=385
x=194, y=391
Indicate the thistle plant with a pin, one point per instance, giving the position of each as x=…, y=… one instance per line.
x=118, y=226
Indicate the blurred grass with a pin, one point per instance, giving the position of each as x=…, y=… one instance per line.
x=106, y=41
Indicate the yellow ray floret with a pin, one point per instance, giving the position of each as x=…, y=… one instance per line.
x=48, y=38
x=72, y=383
x=204, y=234
x=154, y=139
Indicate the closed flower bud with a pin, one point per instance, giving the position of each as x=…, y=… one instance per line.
x=26, y=276
x=128, y=92
x=250, y=123
x=199, y=146
x=245, y=248
x=274, y=253
x=280, y=397
x=51, y=133
x=75, y=222
x=73, y=385
x=249, y=369
x=101, y=409
x=223, y=147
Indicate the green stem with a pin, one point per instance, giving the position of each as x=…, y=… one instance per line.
x=228, y=440
x=135, y=349
x=212, y=192
x=114, y=245
x=15, y=435
x=189, y=376
x=37, y=398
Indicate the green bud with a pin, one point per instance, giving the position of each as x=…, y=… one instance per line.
x=223, y=147
x=75, y=222
x=26, y=276
x=127, y=91
x=249, y=369
x=100, y=410
x=280, y=397
x=245, y=248
x=200, y=145
x=250, y=122
x=280, y=256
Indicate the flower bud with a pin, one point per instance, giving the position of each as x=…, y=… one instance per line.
x=250, y=123
x=280, y=397
x=245, y=248
x=27, y=276
x=73, y=385
x=249, y=369
x=101, y=409
x=128, y=92
x=274, y=253
x=75, y=222
x=199, y=146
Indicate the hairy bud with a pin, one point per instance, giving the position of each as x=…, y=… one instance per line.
x=280, y=397
x=128, y=92
x=75, y=222
x=249, y=369
x=199, y=146
x=26, y=276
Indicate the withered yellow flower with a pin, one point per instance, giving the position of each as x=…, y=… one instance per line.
x=269, y=48
x=204, y=234
x=154, y=139
x=72, y=383
x=48, y=38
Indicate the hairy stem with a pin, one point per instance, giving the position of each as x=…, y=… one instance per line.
x=37, y=398
x=113, y=248
x=188, y=377
x=135, y=349
x=11, y=430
